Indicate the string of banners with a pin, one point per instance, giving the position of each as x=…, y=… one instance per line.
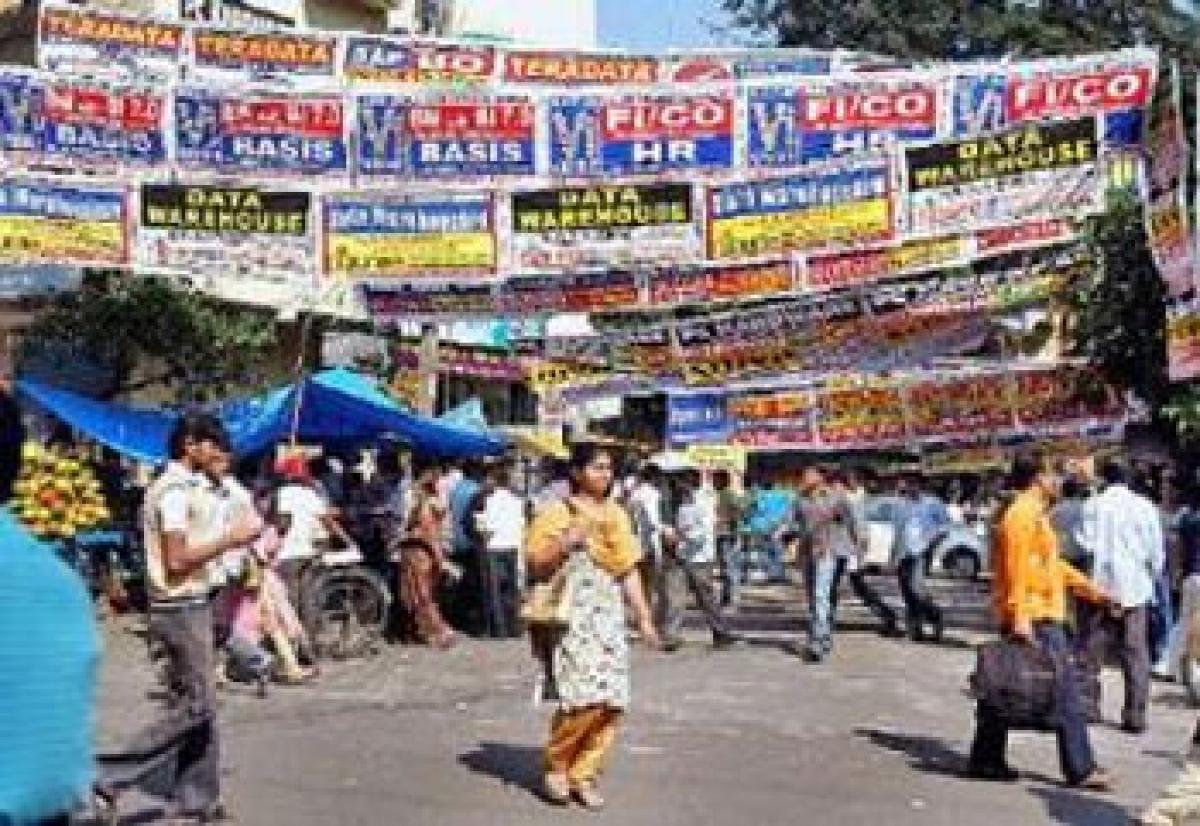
x=867, y=414
x=457, y=179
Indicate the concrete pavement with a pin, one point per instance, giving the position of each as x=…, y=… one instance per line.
x=749, y=737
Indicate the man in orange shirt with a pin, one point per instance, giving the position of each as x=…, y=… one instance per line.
x=1031, y=587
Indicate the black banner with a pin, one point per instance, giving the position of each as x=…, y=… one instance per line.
x=1004, y=154
x=601, y=207
x=225, y=209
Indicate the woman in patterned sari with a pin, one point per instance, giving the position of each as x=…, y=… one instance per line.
x=592, y=535
x=422, y=561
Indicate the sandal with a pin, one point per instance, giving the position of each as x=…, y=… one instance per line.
x=587, y=796
x=556, y=789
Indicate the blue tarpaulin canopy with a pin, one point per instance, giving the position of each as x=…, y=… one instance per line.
x=336, y=406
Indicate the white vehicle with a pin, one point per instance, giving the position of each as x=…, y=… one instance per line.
x=960, y=549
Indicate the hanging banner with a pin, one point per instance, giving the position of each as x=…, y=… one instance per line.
x=567, y=68
x=571, y=293
x=730, y=458
x=1167, y=226
x=409, y=235
x=640, y=134
x=673, y=285
x=697, y=418
x=710, y=67
x=462, y=360
x=453, y=137
x=228, y=232
x=403, y=302
x=1035, y=171
x=959, y=407
x=241, y=55
x=603, y=226
x=72, y=39
x=860, y=417
x=790, y=125
x=80, y=125
x=1183, y=341
x=772, y=419
x=1117, y=87
x=377, y=59
x=812, y=209
x=1054, y=401
x=43, y=222
x=1029, y=235
x=847, y=269
x=265, y=134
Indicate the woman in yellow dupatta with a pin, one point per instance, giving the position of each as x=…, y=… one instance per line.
x=591, y=534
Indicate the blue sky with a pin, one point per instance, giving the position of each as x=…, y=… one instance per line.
x=657, y=24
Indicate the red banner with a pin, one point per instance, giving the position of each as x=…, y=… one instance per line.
x=579, y=69
x=656, y=118
x=1044, y=96
x=912, y=108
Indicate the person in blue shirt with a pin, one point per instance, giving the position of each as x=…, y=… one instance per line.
x=769, y=516
x=49, y=656
x=920, y=518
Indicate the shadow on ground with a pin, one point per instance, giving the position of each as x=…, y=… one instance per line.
x=512, y=765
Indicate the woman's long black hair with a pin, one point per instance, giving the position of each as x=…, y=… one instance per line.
x=12, y=436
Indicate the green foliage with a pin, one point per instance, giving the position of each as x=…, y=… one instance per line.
x=145, y=333
x=927, y=29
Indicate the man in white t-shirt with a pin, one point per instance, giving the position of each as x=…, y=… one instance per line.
x=499, y=517
x=309, y=521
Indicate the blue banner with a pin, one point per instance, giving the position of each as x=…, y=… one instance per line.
x=274, y=133
x=595, y=136
x=446, y=138
x=698, y=418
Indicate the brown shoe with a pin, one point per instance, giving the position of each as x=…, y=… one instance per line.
x=1100, y=780
x=587, y=796
x=556, y=789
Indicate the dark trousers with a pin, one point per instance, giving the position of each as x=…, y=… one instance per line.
x=864, y=591
x=674, y=581
x=918, y=605
x=500, y=593
x=1099, y=633
x=729, y=552
x=1070, y=721
x=177, y=758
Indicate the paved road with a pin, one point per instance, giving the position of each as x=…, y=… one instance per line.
x=750, y=737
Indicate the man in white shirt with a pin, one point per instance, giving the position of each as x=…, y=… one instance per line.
x=1125, y=537
x=309, y=519
x=499, y=517
x=688, y=558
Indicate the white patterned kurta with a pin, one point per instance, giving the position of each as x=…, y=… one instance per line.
x=591, y=661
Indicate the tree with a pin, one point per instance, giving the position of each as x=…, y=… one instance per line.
x=928, y=29
x=141, y=333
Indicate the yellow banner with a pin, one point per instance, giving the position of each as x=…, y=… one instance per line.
x=809, y=228
x=26, y=239
x=552, y=375
x=383, y=256
x=717, y=457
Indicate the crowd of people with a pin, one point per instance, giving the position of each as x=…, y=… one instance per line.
x=226, y=559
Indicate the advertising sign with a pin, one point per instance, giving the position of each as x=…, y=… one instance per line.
x=846, y=269
x=271, y=134
x=567, y=68
x=73, y=39
x=1167, y=226
x=444, y=137
x=409, y=235
x=574, y=293
x=813, y=209
x=943, y=408
x=1183, y=341
x=79, y=124
x=790, y=125
x=637, y=134
x=672, y=285
x=603, y=225
x=433, y=299
x=860, y=417
x=231, y=232
x=377, y=59
x=264, y=53
x=1033, y=171
x=42, y=222
x=701, y=67
x=697, y=418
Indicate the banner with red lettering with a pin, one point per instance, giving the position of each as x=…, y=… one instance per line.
x=788, y=125
x=74, y=39
x=1183, y=340
x=547, y=67
x=1167, y=226
x=380, y=59
x=605, y=136
x=230, y=54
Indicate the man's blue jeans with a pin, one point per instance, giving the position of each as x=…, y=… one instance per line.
x=820, y=572
x=767, y=554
